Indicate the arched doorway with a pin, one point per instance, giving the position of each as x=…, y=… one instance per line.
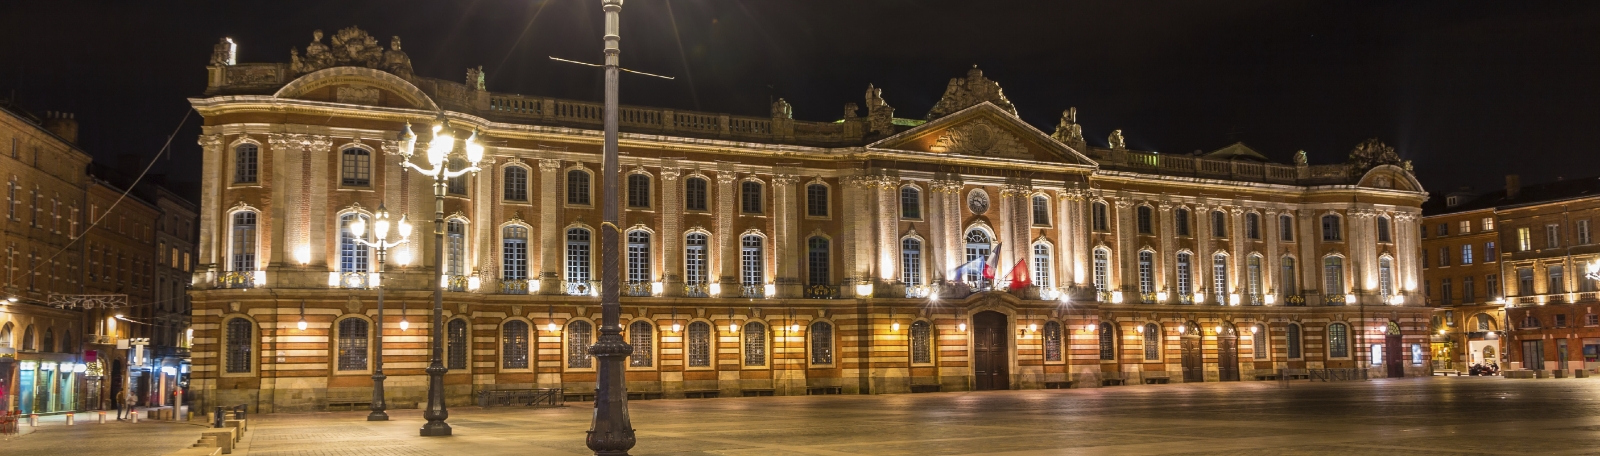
x=1194, y=368
x=991, y=351
x=1393, y=352
x=1227, y=353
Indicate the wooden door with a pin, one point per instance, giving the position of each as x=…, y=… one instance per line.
x=1394, y=356
x=1194, y=370
x=1228, y=355
x=991, y=357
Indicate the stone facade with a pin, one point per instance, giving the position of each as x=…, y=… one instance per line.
x=774, y=255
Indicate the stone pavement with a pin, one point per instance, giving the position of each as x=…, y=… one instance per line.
x=1422, y=416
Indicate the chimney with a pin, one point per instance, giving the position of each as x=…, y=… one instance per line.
x=62, y=124
x=1513, y=186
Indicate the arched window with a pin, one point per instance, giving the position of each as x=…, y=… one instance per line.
x=1483, y=322
x=353, y=256
x=694, y=259
x=755, y=344
x=699, y=344
x=922, y=342
x=821, y=343
x=1259, y=339
x=1219, y=224
x=514, y=251
x=1147, y=219
x=457, y=185
x=577, y=255
x=578, y=187
x=456, y=339
x=1102, y=220
x=5, y=336
x=638, y=256
x=244, y=242
x=1219, y=277
x=578, y=345
x=817, y=200
x=638, y=190
x=1041, y=210
x=1041, y=266
x=244, y=164
x=240, y=341
x=1293, y=341
x=751, y=263
x=1102, y=270
x=694, y=194
x=1286, y=228
x=1147, y=275
x=28, y=344
x=357, y=169
x=455, y=250
x=1383, y=229
x=910, y=203
x=1185, y=277
x=641, y=335
x=49, y=345
x=1052, y=341
x=1253, y=284
x=516, y=183
x=750, y=197
x=817, y=261
x=352, y=344
x=1286, y=278
x=1252, y=225
x=514, y=345
x=911, y=261
x=1338, y=341
x=1333, y=275
x=1330, y=228
x=1108, y=342
x=978, y=245
x=1152, y=342
x=1180, y=218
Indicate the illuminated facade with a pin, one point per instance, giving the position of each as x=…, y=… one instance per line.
x=768, y=255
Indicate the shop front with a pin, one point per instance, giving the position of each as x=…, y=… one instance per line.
x=49, y=386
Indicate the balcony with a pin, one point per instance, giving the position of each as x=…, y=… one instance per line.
x=1294, y=301
x=457, y=283
x=697, y=290
x=820, y=291
x=1149, y=298
x=1103, y=296
x=514, y=286
x=353, y=280
x=1333, y=299
x=638, y=289
x=753, y=291
x=237, y=279
x=582, y=287
x=1186, y=298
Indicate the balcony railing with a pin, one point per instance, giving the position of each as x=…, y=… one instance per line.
x=582, y=287
x=1294, y=301
x=1186, y=298
x=353, y=280
x=456, y=283
x=1333, y=299
x=697, y=290
x=237, y=279
x=918, y=291
x=1255, y=299
x=753, y=291
x=820, y=291
x=514, y=286
x=637, y=289
x=1148, y=298
x=1102, y=296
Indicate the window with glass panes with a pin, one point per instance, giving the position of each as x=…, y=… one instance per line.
x=1259, y=343
x=1330, y=228
x=1252, y=225
x=1583, y=232
x=1286, y=228
x=1219, y=224
x=755, y=344
x=1467, y=294
x=352, y=255
x=638, y=190
x=578, y=255
x=750, y=197
x=1041, y=210
x=456, y=339
x=1147, y=280
x=1145, y=220
x=1252, y=276
x=751, y=266
x=241, y=338
x=1557, y=282
x=699, y=344
x=577, y=187
x=1385, y=277
x=641, y=337
x=694, y=259
x=817, y=200
x=1152, y=342
x=516, y=183
x=1383, y=229
x=1052, y=341
x=922, y=343
x=357, y=169
x=1524, y=240
x=1041, y=266
x=1102, y=266
x=455, y=236
x=1338, y=341
x=1184, y=279
x=1491, y=286
x=1333, y=275
x=1293, y=341
x=244, y=241
x=578, y=339
x=1100, y=218
x=514, y=345
x=1219, y=277
x=910, y=203
x=817, y=261
x=821, y=343
x=1108, y=342
x=514, y=252
x=352, y=344
x=694, y=194
x=638, y=256
x=1552, y=236
x=457, y=185
x=1180, y=218
x=911, y=261
x=978, y=246
x=244, y=164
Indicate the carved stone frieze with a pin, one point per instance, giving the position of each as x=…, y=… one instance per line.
x=980, y=137
x=356, y=94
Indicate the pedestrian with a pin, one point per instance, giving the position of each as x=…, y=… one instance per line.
x=116, y=400
x=129, y=401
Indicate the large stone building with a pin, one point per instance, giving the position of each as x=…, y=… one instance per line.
x=769, y=255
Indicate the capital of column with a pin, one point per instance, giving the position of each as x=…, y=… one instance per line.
x=669, y=174
x=1124, y=203
x=210, y=141
x=1165, y=206
x=726, y=178
x=784, y=180
x=549, y=164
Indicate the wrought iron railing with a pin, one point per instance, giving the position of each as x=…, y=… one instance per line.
x=456, y=283
x=1148, y=298
x=918, y=291
x=753, y=291
x=637, y=288
x=353, y=280
x=697, y=290
x=1102, y=296
x=1255, y=299
x=514, y=286
x=1186, y=298
x=820, y=291
x=1294, y=300
x=237, y=279
x=1333, y=299
x=582, y=287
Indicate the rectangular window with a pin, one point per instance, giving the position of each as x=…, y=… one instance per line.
x=1294, y=341
x=1488, y=223
x=1330, y=228
x=750, y=197
x=1181, y=219
x=1219, y=224
x=1524, y=239
x=817, y=200
x=1444, y=256
x=1466, y=254
x=1491, y=286
x=694, y=194
x=357, y=168
x=1146, y=225
x=1583, y=232
x=638, y=257
x=1101, y=222
x=1333, y=275
x=1488, y=251
x=1445, y=292
x=1041, y=266
x=911, y=204
x=1338, y=341
x=910, y=262
x=1041, y=211
x=1219, y=278
x=1561, y=320
x=1591, y=320
x=1423, y=255
x=1466, y=227
x=1286, y=228
x=1444, y=229
x=638, y=190
x=1557, y=283
x=1466, y=290
x=1552, y=236
x=750, y=261
x=1525, y=282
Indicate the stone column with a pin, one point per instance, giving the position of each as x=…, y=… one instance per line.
x=671, y=232
x=888, y=228
x=933, y=250
x=1078, y=219
x=955, y=253
x=314, y=201
x=212, y=207
x=549, y=227
x=725, y=260
x=1066, y=241
x=1310, y=262
x=1236, y=260
x=1200, y=263
x=485, y=200
x=1021, y=223
x=1405, y=247
x=786, y=253
x=1127, y=250
x=1270, y=261
x=1168, y=256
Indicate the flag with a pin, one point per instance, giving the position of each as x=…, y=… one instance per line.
x=1019, y=276
x=992, y=264
x=970, y=267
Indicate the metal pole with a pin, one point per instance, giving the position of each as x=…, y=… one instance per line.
x=611, y=433
x=436, y=413
x=378, y=406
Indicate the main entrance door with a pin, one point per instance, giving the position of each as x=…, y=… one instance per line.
x=1394, y=352
x=1194, y=370
x=991, y=350
x=1228, y=354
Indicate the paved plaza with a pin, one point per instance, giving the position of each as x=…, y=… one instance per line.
x=1441, y=415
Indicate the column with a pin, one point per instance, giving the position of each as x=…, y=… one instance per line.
x=212, y=206
x=1236, y=260
x=549, y=228
x=671, y=234
x=1270, y=261
x=284, y=214
x=888, y=227
x=725, y=261
x=314, y=224
x=785, y=253
x=933, y=251
x=480, y=248
x=1310, y=262
x=955, y=252
x=1020, y=223
x=1127, y=247
x=1200, y=263
x=1167, y=265
x=1066, y=241
x=1078, y=220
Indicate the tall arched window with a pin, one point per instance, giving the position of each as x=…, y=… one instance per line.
x=694, y=194
x=243, y=255
x=1333, y=275
x=1252, y=276
x=240, y=341
x=353, y=256
x=1102, y=270
x=1052, y=341
x=244, y=164
x=516, y=183
x=821, y=343
x=638, y=190
x=353, y=344
x=456, y=339
x=1041, y=266
x=1252, y=225
x=1293, y=341
x=817, y=200
x=1147, y=274
x=1330, y=228
x=1185, y=276
x=755, y=344
x=514, y=251
x=1152, y=342
x=1386, y=277
x=638, y=256
x=1286, y=277
x=694, y=259
x=978, y=245
x=911, y=261
x=578, y=187
x=699, y=344
x=28, y=344
x=1108, y=342
x=1180, y=218
x=578, y=345
x=1259, y=339
x=1041, y=210
x=455, y=250
x=1383, y=229
x=910, y=203
x=1147, y=217
x=514, y=345
x=1219, y=277
x=641, y=335
x=750, y=197
x=752, y=271
x=357, y=169
x=922, y=342
x=6, y=335
x=578, y=255
x=1219, y=224
x=817, y=261
x=1338, y=341
x=1102, y=220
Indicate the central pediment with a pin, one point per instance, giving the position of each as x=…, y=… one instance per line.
x=983, y=130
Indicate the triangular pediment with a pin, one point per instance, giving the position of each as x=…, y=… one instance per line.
x=983, y=130
x=1236, y=150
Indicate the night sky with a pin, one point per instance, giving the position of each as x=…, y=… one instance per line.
x=1469, y=91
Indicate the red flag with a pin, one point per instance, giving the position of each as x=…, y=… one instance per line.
x=1019, y=276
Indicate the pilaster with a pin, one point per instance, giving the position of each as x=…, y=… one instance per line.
x=787, y=254
x=671, y=232
x=549, y=229
x=211, y=201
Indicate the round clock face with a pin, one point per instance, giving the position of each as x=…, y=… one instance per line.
x=978, y=201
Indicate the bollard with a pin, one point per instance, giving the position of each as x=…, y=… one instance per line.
x=135, y=416
x=218, y=417
x=71, y=420
x=102, y=417
x=33, y=420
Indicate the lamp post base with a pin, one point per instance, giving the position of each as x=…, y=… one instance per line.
x=378, y=416
x=436, y=429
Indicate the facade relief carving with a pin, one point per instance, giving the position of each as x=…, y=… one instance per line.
x=980, y=137
x=963, y=93
x=350, y=47
x=356, y=94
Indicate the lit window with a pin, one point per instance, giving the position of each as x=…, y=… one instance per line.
x=514, y=345
x=910, y=261
x=638, y=256
x=1333, y=275
x=1338, y=341
x=922, y=343
x=817, y=260
x=1052, y=341
x=514, y=251
x=352, y=344
x=244, y=241
x=1108, y=342
x=577, y=255
x=578, y=341
x=1152, y=342
x=821, y=343
x=357, y=169
x=1041, y=210
x=641, y=337
x=694, y=259
x=755, y=344
x=699, y=344
x=911, y=203
x=751, y=261
x=353, y=255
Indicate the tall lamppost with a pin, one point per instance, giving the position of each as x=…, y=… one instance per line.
x=439, y=151
x=380, y=230
x=611, y=432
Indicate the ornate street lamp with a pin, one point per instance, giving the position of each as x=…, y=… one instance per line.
x=611, y=432
x=439, y=150
x=381, y=231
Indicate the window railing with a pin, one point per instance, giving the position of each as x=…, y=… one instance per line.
x=582, y=287
x=1048, y=293
x=753, y=291
x=637, y=288
x=1294, y=300
x=1148, y=298
x=918, y=291
x=1256, y=299
x=1186, y=298
x=697, y=290
x=353, y=280
x=820, y=291
x=456, y=283
x=514, y=286
x=1102, y=296
x=1333, y=299
x=236, y=279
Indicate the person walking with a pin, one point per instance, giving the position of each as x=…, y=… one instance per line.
x=130, y=400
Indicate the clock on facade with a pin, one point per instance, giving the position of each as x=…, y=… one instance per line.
x=978, y=201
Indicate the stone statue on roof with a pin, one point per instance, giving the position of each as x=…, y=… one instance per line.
x=1068, y=129
x=1115, y=141
x=1371, y=153
x=353, y=46
x=317, y=54
x=395, y=60
x=782, y=110
x=880, y=116
x=1300, y=158
x=963, y=93
x=475, y=78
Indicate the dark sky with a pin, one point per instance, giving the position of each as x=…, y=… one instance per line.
x=1467, y=90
